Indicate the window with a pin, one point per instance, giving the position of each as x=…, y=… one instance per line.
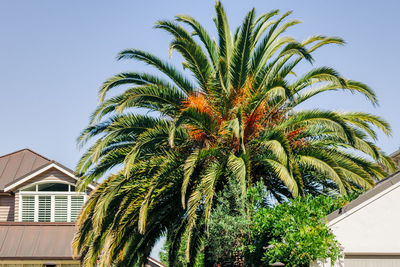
x=76, y=205
x=49, y=187
x=61, y=209
x=28, y=208
x=44, y=209
x=55, y=187
x=50, y=202
x=30, y=188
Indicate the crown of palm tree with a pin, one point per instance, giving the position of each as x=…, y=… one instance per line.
x=236, y=116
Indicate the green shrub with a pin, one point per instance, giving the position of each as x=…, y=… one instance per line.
x=294, y=233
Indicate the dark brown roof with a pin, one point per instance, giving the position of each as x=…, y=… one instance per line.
x=380, y=187
x=36, y=240
x=41, y=241
x=18, y=164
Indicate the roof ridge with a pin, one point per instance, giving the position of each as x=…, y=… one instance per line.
x=25, y=149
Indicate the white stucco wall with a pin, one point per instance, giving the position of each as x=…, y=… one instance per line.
x=370, y=232
x=373, y=226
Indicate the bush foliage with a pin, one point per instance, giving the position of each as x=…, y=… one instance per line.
x=252, y=231
x=294, y=232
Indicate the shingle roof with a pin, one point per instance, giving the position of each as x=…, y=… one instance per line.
x=36, y=240
x=19, y=163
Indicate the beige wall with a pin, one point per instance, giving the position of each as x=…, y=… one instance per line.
x=7, y=208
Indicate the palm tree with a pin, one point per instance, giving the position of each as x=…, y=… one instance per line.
x=237, y=116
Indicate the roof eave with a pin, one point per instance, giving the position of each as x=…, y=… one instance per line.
x=372, y=193
x=53, y=164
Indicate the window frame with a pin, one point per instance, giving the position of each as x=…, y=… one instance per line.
x=21, y=190
x=52, y=195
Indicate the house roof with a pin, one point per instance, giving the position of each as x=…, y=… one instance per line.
x=154, y=263
x=22, y=165
x=41, y=241
x=382, y=187
x=396, y=157
x=36, y=240
x=395, y=154
x=19, y=163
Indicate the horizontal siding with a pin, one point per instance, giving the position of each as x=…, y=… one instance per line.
x=372, y=262
x=7, y=208
x=52, y=175
x=16, y=207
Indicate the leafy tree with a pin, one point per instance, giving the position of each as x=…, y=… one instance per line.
x=294, y=232
x=228, y=228
x=235, y=116
x=181, y=260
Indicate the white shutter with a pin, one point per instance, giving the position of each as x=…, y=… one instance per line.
x=44, y=214
x=28, y=208
x=60, y=208
x=76, y=205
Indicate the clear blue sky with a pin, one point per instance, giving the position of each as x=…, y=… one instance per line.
x=54, y=55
